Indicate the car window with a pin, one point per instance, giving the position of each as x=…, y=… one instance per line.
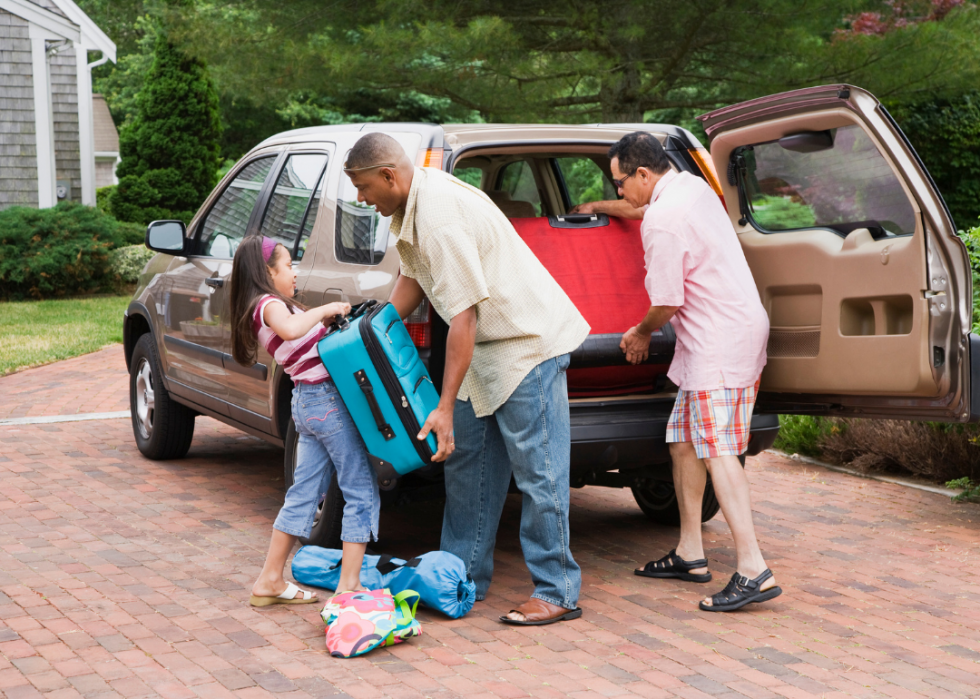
x=584, y=180
x=361, y=233
x=847, y=183
x=292, y=208
x=470, y=175
x=517, y=180
x=225, y=224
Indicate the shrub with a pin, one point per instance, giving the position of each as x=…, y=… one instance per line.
x=127, y=263
x=802, y=434
x=102, y=196
x=60, y=251
x=170, y=150
x=937, y=451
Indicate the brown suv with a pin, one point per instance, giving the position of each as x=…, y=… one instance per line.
x=867, y=287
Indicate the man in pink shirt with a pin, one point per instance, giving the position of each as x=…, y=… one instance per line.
x=698, y=279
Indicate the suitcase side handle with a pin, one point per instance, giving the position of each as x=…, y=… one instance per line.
x=365, y=383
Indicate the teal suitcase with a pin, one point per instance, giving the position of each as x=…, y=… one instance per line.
x=385, y=386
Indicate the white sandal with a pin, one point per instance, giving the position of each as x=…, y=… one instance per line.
x=288, y=596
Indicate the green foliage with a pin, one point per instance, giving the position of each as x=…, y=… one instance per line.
x=170, y=149
x=585, y=181
x=127, y=263
x=782, y=213
x=470, y=175
x=39, y=332
x=60, y=251
x=946, y=135
x=803, y=434
x=543, y=61
x=102, y=197
x=970, y=489
x=972, y=240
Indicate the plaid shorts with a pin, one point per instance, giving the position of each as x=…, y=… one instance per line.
x=717, y=421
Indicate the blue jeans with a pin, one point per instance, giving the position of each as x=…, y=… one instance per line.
x=328, y=442
x=528, y=436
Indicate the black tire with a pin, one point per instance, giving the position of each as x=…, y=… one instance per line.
x=163, y=428
x=659, y=502
x=329, y=515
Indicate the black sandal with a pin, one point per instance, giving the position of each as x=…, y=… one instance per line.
x=741, y=591
x=673, y=566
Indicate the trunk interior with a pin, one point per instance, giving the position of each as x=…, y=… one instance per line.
x=599, y=263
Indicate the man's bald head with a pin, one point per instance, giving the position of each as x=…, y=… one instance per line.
x=376, y=149
x=381, y=172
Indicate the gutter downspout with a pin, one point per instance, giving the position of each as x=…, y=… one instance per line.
x=86, y=121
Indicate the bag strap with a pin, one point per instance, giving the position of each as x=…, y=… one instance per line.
x=401, y=600
x=386, y=566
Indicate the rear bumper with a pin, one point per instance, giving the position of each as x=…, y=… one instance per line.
x=619, y=435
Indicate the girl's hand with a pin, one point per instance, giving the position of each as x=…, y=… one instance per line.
x=337, y=308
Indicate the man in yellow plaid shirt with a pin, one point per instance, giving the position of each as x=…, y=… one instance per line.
x=504, y=406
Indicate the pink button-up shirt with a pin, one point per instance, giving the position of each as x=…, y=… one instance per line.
x=694, y=261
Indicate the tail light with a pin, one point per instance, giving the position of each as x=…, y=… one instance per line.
x=430, y=157
x=707, y=165
x=419, y=325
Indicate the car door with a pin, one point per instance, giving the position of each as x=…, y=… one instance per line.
x=194, y=336
x=855, y=256
x=288, y=215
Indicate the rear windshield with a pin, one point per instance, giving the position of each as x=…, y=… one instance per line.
x=844, y=186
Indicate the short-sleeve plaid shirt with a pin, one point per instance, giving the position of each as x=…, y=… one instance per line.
x=464, y=252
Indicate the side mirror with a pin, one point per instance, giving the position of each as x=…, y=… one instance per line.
x=166, y=236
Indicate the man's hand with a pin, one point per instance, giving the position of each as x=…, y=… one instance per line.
x=636, y=345
x=440, y=421
x=585, y=208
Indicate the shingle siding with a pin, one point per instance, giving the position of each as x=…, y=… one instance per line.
x=64, y=106
x=18, y=149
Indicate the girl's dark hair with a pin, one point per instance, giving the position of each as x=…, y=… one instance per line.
x=250, y=281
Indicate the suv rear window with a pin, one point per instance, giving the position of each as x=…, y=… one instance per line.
x=836, y=187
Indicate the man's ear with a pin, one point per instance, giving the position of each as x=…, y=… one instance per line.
x=388, y=175
x=643, y=173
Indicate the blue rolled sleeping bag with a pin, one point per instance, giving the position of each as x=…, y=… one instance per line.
x=439, y=577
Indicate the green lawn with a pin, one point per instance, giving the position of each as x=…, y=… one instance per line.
x=38, y=332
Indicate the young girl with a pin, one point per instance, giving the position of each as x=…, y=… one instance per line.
x=263, y=311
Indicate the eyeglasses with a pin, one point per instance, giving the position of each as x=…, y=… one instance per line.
x=618, y=184
x=367, y=167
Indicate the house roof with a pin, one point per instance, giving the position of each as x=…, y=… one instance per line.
x=106, y=136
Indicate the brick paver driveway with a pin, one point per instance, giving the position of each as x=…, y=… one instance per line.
x=126, y=577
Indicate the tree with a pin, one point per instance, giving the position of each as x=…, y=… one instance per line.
x=170, y=149
x=578, y=60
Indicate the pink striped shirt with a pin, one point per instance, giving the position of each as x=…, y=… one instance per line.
x=298, y=358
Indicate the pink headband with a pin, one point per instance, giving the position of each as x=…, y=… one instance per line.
x=268, y=245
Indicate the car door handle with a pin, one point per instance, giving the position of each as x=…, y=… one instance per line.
x=214, y=282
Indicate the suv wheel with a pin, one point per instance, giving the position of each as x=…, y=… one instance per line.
x=329, y=515
x=163, y=427
x=659, y=502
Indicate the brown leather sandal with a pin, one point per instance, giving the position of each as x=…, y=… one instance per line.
x=537, y=612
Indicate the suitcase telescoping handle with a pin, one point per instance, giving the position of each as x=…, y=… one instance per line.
x=365, y=383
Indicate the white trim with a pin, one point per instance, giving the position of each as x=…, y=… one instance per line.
x=43, y=124
x=46, y=19
x=93, y=37
x=86, y=125
x=107, y=155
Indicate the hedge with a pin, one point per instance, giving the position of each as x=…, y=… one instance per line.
x=62, y=251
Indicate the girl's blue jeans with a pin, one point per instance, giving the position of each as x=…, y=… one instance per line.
x=328, y=443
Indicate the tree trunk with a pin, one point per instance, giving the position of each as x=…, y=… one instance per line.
x=619, y=97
